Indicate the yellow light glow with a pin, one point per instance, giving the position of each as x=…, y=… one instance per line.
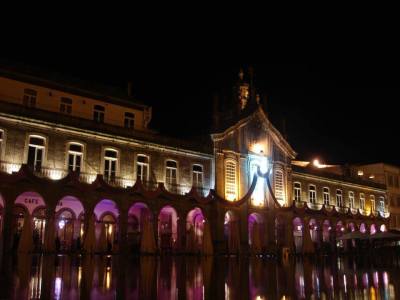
x=372, y=176
x=317, y=164
x=360, y=173
x=110, y=230
x=11, y=168
x=55, y=174
x=108, y=279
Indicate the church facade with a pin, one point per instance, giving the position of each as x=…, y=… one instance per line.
x=80, y=170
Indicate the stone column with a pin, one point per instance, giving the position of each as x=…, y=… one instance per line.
x=270, y=241
x=180, y=246
x=122, y=231
x=50, y=231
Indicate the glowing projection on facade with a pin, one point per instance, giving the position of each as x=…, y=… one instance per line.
x=258, y=162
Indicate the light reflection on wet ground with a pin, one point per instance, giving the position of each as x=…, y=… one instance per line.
x=117, y=277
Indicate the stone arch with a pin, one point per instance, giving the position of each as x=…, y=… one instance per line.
x=106, y=213
x=373, y=229
x=195, y=222
x=138, y=214
x=363, y=228
x=256, y=232
x=167, y=229
x=298, y=228
x=29, y=206
x=69, y=226
x=232, y=232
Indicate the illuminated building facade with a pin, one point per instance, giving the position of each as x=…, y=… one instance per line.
x=84, y=171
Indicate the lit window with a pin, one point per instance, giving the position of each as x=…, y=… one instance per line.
x=362, y=201
x=382, y=204
x=279, y=187
x=66, y=105
x=351, y=199
x=36, y=152
x=372, y=199
x=297, y=191
x=129, y=121
x=197, y=176
x=29, y=98
x=142, y=168
x=326, y=196
x=312, y=192
x=171, y=175
x=230, y=180
x=75, y=153
x=339, y=198
x=110, y=165
x=98, y=113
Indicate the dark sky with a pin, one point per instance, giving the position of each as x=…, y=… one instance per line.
x=340, y=111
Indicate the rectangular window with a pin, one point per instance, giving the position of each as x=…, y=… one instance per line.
x=98, y=113
x=297, y=191
x=35, y=153
x=110, y=165
x=197, y=176
x=351, y=199
x=326, y=196
x=129, y=121
x=396, y=181
x=142, y=168
x=171, y=170
x=381, y=204
x=339, y=198
x=372, y=199
x=362, y=201
x=29, y=98
x=66, y=106
x=75, y=153
x=279, y=187
x=312, y=192
x=230, y=180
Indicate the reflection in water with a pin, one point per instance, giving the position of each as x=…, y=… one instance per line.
x=148, y=277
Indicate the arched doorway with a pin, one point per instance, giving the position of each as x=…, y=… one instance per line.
x=138, y=214
x=383, y=228
x=256, y=232
x=298, y=234
x=69, y=223
x=106, y=229
x=167, y=229
x=231, y=232
x=363, y=228
x=194, y=230
x=29, y=206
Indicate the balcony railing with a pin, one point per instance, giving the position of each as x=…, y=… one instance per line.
x=56, y=174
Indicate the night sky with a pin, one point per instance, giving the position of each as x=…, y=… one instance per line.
x=341, y=112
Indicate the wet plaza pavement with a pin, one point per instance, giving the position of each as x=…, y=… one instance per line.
x=219, y=277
